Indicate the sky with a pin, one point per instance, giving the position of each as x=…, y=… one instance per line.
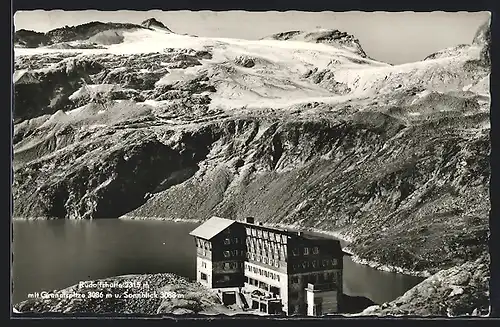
x=392, y=37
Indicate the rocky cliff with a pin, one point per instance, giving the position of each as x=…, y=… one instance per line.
x=394, y=159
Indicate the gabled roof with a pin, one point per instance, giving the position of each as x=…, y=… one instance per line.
x=212, y=227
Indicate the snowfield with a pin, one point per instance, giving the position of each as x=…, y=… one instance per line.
x=288, y=73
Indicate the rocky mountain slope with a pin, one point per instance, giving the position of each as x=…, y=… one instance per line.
x=290, y=130
x=457, y=291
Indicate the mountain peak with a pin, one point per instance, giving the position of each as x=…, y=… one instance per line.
x=154, y=23
x=325, y=36
x=483, y=34
x=483, y=39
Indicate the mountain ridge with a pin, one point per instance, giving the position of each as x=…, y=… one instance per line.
x=324, y=36
x=82, y=32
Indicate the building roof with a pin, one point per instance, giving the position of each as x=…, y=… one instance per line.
x=212, y=227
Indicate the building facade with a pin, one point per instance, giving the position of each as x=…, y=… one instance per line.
x=268, y=269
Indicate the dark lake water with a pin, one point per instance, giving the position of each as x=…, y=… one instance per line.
x=55, y=254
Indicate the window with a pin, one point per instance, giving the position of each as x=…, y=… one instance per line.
x=232, y=265
x=295, y=252
x=265, y=260
x=275, y=290
x=277, y=277
x=314, y=263
x=204, y=264
x=226, y=266
x=227, y=254
x=334, y=262
x=295, y=279
x=271, y=262
x=306, y=251
x=246, y=279
x=236, y=240
x=210, y=246
x=276, y=263
x=305, y=264
x=321, y=278
x=324, y=263
x=204, y=276
x=227, y=241
x=315, y=250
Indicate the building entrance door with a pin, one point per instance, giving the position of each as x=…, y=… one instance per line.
x=318, y=310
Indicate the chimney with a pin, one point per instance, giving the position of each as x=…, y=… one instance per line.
x=250, y=220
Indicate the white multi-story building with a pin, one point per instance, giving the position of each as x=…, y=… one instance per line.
x=269, y=269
